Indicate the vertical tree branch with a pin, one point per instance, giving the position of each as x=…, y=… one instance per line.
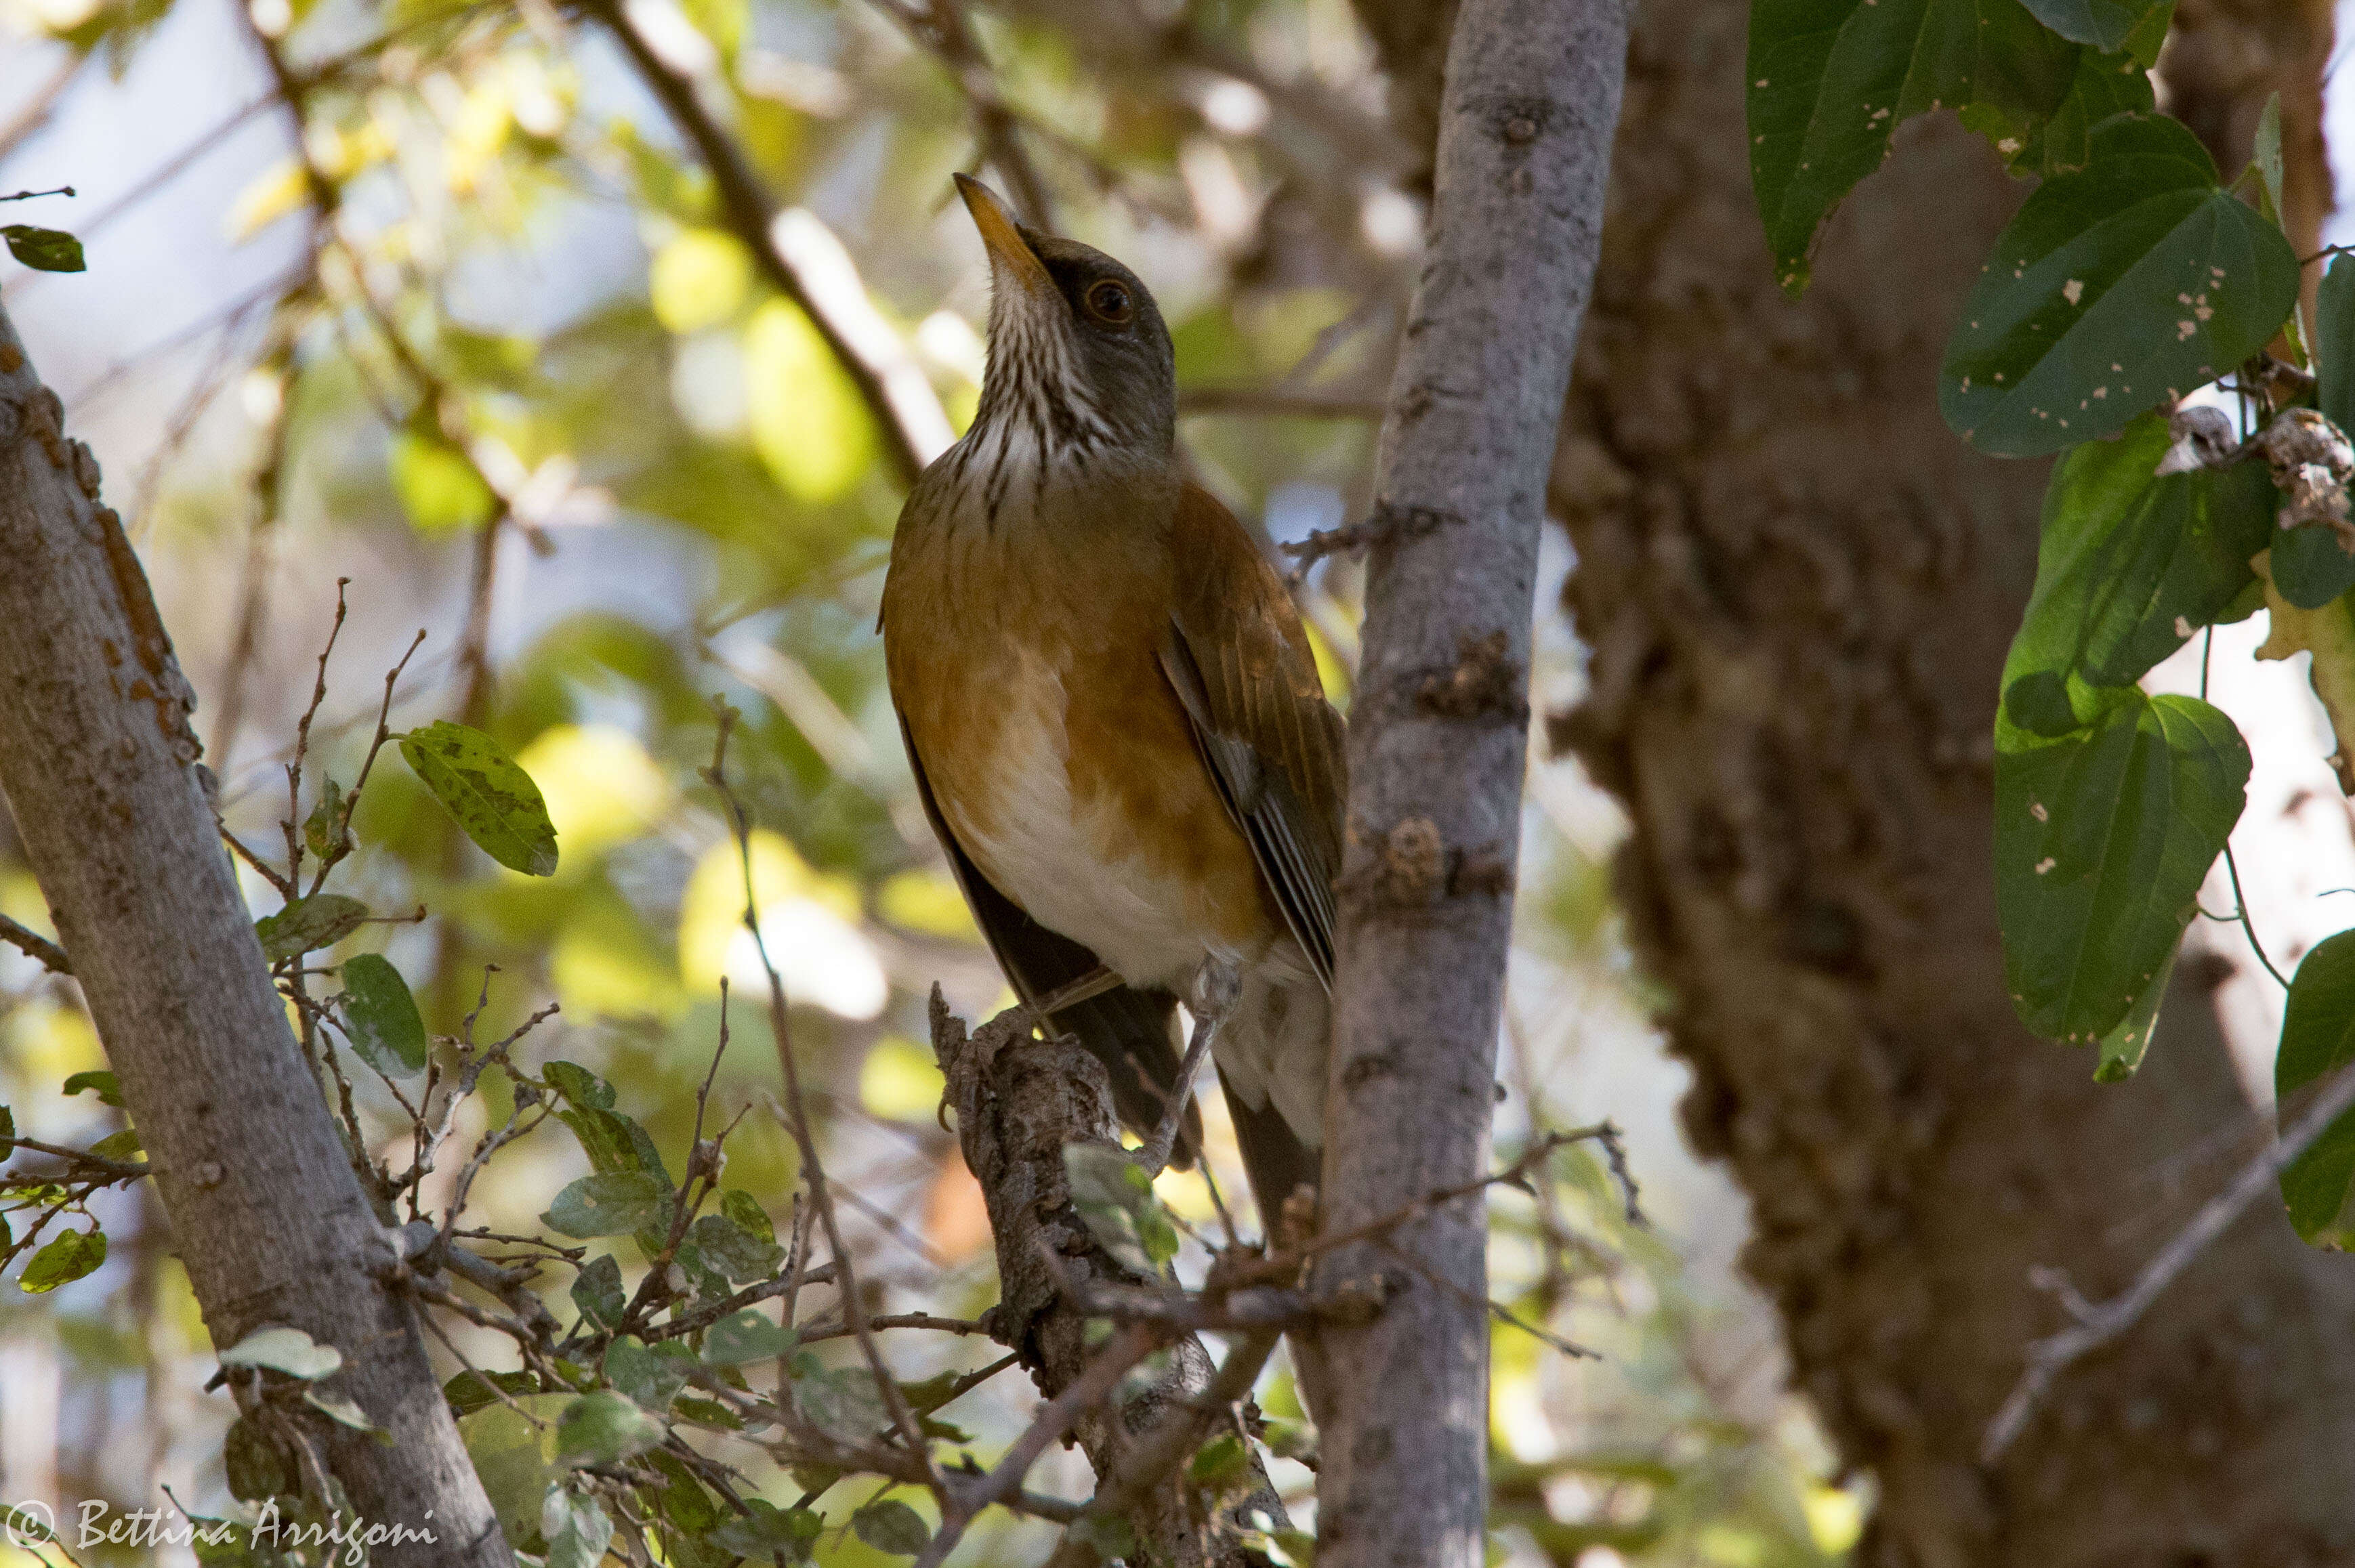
x=1437, y=748
x=99, y=766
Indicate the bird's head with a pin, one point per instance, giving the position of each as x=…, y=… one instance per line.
x=1078, y=358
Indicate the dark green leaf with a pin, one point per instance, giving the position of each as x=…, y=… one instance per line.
x=2101, y=85
x=324, y=830
x=385, y=1027
x=2104, y=23
x=607, y=1203
x=746, y=1336
x=765, y=1530
x=603, y=1428
x=45, y=250
x=652, y=1375
x=63, y=1260
x=7, y=1124
x=2115, y=288
x=256, y=1468
x=492, y=799
x=1830, y=79
x=2310, y=566
x=309, y=923
x=2334, y=343
x=468, y=1392
x=2129, y=566
x=706, y=1413
x=2102, y=840
x=597, y=1293
x=100, y=1082
x=2318, y=1040
x=892, y=1526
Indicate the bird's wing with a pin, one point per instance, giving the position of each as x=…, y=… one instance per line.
x=1127, y=1028
x=1241, y=664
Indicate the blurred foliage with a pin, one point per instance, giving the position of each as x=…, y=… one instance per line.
x=529, y=383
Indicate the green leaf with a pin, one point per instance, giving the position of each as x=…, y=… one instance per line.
x=2104, y=23
x=724, y=1244
x=607, y=1204
x=652, y=1375
x=385, y=1027
x=469, y=1391
x=256, y=1468
x=2112, y=289
x=1830, y=79
x=117, y=1145
x=309, y=923
x=745, y=1212
x=513, y=1447
x=597, y=1293
x=2334, y=342
x=44, y=249
x=1115, y=1198
x=100, y=1082
x=765, y=1531
x=2327, y=636
x=2310, y=566
x=746, y=1336
x=283, y=1350
x=2101, y=85
x=575, y=1527
x=2129, y=566
x=63, y=1260
x=2267, y=158
x=890, y=1526
x=604, y=1428
x=1221, y=1460
x=2319, y=1039
x=493, y=799
x=580, y=1088
x=324, y=830
x=846, y=1402
x=2102, y=840
x=343, y=1411
x=442, y=491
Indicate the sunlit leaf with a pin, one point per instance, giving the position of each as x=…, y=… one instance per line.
x=808, y=422
x=437, y=487
x=62, y=1260
x=285, y=1349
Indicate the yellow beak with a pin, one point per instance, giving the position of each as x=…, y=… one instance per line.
x=1009, y=253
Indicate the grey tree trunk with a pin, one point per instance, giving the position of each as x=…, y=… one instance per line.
x=1438, y=742
x=1798, y=587
x=99, y=766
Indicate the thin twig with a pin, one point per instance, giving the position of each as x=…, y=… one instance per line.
x=2097, y=1325
x=34, y=946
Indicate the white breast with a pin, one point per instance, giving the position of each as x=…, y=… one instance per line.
x=1065, y=861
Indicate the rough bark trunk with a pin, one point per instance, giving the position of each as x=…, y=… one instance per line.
x=98, y=767
x=1798, y=588
x=1020, y=1101
x=1438, y=744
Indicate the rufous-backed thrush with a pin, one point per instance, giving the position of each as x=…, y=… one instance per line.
x=1112, y=712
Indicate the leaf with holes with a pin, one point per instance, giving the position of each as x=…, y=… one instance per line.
x=1830, y=79
x=492, y=799
x=2102, y=840
x=2318, y=1040
x=2130, y=565
x=309, y=923
x=2115, y=288
x=385, y=1027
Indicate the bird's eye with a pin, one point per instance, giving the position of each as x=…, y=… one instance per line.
x=1109, y=302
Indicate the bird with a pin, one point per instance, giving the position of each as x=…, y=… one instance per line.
x=1114, y=717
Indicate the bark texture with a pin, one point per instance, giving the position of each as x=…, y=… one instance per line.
x=1798, y=588
x=1020, y=1100
x=1438, y=738
x=99, y=768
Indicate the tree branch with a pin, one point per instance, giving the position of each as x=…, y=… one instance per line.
x=98, y=763
x=1438, y=741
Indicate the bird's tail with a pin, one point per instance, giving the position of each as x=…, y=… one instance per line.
x=1279, y=1165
